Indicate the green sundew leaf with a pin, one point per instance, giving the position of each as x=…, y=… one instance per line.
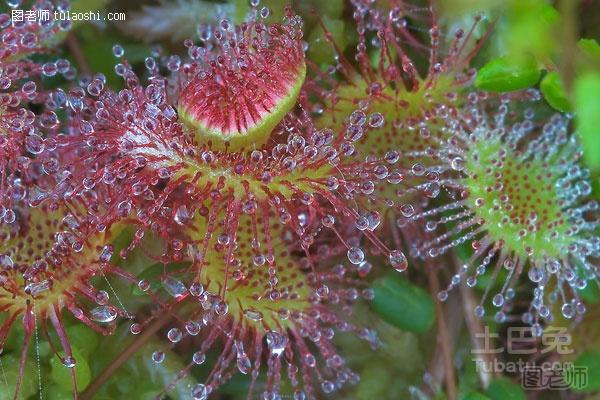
x=475, y=396
x=61, y=375
x=506, y=74
x=504, y=389
x=590, y=48
x=587, y=104
x=587, y=364
x=554, y=92
x=29, y=383
x=402, y=304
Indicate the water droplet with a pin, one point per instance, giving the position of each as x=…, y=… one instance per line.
x=243, y=364
x=299, y=395
x=135, y=329
x=101, y=297
x=158, y=357
x=536, y=274
x=106, y=254
x=376, y=120
x=537, y=330
x=192, y=327
x=103, y=314
x=118, y=50
x=174, y=335
x=276, y=343
x=373, y=220
x=198, y=358
x=457, y=164
x=253, y=315
x=220, y=307
x=36, y=288
x=568, y=311
x=174, y=287
x=479, y=311
x=355, y=255
x=69, y=362
x=327, y=386
x=34, y=144
x=498, y=300
x=144, y=285
x=199, y=392
x=398, y=260
x=196, y=289
x=442, y=295
x=407, y=210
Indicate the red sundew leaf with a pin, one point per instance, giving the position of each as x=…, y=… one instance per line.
x=260, y=300
x=233, y=96
x=48, y=260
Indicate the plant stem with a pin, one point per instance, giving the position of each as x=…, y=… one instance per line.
x=474, y=326
x=443, y=336
x=568, y=30
x=75, y=48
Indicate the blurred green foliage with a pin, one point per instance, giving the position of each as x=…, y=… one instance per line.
x=527, y=48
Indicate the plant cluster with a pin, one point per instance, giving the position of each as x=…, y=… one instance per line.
x=259, y=186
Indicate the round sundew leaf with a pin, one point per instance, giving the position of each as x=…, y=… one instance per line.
x=554, y=92
x=402, y=304
x=61, y=375
x=587, y=364
x=237, y=96
x=506, y=74
x=587, y=104
x=504, y=389
x=233, y=132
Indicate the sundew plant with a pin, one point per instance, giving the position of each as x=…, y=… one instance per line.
x=268, y=199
